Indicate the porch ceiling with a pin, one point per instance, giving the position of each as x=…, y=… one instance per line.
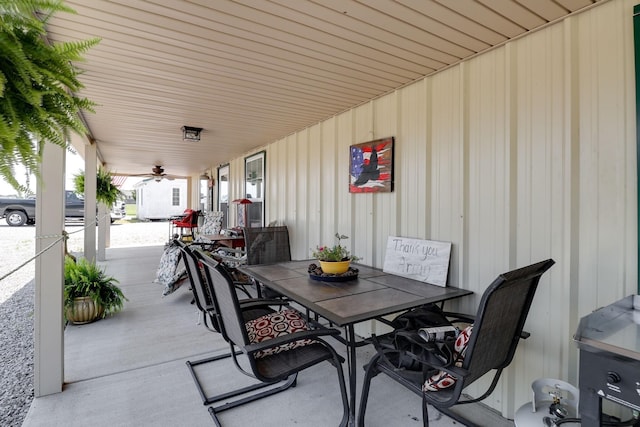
x=252, y=71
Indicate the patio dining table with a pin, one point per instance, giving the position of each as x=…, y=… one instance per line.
x=223, y=239
x=372, y=295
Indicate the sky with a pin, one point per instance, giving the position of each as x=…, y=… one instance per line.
x=74, y=165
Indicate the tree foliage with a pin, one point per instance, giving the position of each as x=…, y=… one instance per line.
x=38, y=85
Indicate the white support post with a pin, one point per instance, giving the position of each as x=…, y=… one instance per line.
x=103, y=230
x=90, y=205
x=190, y=188
x=49, y=274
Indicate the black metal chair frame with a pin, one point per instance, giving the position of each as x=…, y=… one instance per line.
x=188, y=220
x=498, y=327
x=203, y=299
x=282, y=367
x=266, y=245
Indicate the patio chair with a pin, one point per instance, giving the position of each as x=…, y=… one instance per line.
x=204, y=300
x=266, y=245
x=170, y=273
x=188, y=221
x=275, y=355
x=211, y=224
x=494, y=337
x=202, y=297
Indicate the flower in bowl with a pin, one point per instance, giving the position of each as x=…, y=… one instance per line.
x=334, y=253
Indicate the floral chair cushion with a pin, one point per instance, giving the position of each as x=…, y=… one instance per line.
x=168, y=273
x=212, y=223
x=441, y=379
x=276, y=324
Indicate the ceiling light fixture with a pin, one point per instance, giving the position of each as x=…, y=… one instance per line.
x=190, y=133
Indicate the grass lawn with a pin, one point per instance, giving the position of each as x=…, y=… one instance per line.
x=131, y=210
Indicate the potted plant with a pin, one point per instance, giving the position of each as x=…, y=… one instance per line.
x=335, y=259
x=39, y=83
x=106, y=191
x=89, y=294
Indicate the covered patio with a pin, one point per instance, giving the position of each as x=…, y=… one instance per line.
x=514, y=129
x=130, y=369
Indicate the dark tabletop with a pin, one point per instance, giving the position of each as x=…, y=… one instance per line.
x=373, y=294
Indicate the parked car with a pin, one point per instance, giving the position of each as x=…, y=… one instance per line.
x=19, y=212
x=118, y=211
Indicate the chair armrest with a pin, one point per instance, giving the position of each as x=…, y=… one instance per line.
x=296, y=336
x=460, y=317
x=227, y=255
x=202, y=242
x=469, y=318
x=456, y=372
x=229, y=249
x=251, y=303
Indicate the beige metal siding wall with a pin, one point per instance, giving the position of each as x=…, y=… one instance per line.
x=520, y=154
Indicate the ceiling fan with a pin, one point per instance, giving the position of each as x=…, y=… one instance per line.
x=157, y=173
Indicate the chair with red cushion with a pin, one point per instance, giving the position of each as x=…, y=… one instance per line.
x=189, y=221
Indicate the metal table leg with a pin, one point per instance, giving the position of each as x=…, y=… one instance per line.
x=351, y=366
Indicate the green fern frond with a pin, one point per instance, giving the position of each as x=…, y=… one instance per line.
x=106, y=191
x=38, y=82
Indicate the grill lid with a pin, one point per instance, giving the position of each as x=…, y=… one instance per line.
x=614, y=329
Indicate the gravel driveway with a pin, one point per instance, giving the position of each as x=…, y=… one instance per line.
x=17, y=244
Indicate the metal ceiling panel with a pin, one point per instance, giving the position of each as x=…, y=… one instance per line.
x=252, y=71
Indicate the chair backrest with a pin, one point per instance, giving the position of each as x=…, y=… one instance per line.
x=201, y=294
x=500, y=319
x=186, y=219
x=267, y=245
x=212, y=222
x=225, y=299
x=193, y=220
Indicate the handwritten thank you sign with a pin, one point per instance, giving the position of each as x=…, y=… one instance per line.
x=423, y=260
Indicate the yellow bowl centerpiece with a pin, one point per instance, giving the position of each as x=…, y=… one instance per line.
x=334, y=259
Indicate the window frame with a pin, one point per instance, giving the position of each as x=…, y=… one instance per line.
x=260, y=156
x=223, y=206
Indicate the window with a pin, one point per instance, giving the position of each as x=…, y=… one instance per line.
x=205, y=194
x=223, y=193
x=175, y=197
x=254, y=189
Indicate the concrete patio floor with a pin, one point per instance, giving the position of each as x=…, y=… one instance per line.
x=129, y=370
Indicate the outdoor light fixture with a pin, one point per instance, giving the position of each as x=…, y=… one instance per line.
x=190, y=133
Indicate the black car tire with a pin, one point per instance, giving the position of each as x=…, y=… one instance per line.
x=16, y=218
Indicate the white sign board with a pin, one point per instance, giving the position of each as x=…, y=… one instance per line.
x=423, y=260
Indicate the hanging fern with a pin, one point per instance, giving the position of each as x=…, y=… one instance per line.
x=38, y=86
x=106, y=191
